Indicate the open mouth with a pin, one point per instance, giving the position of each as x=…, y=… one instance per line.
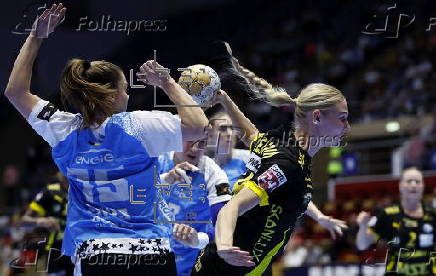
x=191, y=156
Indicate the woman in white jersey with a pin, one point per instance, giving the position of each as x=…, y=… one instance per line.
x=108, y=156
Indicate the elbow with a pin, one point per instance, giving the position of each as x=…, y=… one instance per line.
x=8, y=93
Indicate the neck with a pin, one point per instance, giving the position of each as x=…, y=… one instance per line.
x=303, y=140
x=411, y=205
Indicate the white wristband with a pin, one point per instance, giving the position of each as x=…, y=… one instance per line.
x=203, y=240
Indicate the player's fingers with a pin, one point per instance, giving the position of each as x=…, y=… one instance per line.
x=338, y=230
x=186, y=231
x=58, y=8
x=340, y=223
x=332, y=234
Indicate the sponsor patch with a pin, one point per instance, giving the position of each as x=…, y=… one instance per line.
x=253, y=163
x=47, y=112
x=271, y=178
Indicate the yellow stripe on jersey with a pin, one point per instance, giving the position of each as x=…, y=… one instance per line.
x=259, y=192
x=37, y=208
x=50, y=242
x=239, y=184
x=58, y=198
x=54, y=187
x=259, y=269
x=392, y=210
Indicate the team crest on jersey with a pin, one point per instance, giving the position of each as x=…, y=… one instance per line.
x=47, y=112
x=271, y=178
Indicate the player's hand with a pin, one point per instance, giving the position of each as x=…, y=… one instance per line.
x=50, y=223
x=152, y=73
x=334, y=226
x=48, y=21
x=178, y=174
x=219, y=97
x=363, y=219
x=185, y=234
x=235, y=256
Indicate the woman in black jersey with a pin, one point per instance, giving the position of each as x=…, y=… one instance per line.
x=255, y=225
x=408, y=228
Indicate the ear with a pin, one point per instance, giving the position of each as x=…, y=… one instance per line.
x=316, y=114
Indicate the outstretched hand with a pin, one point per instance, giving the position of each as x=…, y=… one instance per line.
x=152, y=73
x=218, y=97
x=48, y=21
x=334, y=226
x=235, y=256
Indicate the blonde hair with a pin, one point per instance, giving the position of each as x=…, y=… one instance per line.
x=314, y=96
x=91, y=88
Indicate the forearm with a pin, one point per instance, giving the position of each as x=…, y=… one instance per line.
x=26, y=219
x=364, y=238
x=19, y=80
x=225, y=225
x=239, y=119
x=313, y=211
x=192, y=116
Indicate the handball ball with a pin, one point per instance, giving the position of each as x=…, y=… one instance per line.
x=201, y=82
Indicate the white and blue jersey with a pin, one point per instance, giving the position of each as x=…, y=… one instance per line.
x=235, y=167
x=113, y=201
x=192, y=204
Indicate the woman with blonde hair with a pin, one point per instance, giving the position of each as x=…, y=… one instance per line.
x=108, y=155
x=256, y=224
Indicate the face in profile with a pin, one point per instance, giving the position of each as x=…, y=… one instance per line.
x=122, y=98
x=333, y=125
x=412, y=184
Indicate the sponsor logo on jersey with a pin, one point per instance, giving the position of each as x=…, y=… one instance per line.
x=47, y=112
x=271, y=178
x=94, y=157
x=253, y=163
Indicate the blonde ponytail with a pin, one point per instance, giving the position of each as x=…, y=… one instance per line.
x=263, y=90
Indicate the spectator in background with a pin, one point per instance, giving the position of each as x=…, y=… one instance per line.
x=11, y=186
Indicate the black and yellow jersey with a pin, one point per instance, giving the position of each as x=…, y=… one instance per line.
x=52, y=202
x=278, y=171
x=410, y=240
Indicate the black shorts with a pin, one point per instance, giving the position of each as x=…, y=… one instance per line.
x=210, y=264
x=108, y=264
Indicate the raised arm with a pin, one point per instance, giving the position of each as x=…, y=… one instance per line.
x=240, y=203
x=250, y=130
x=194, y=122
x=364, y=236
x=18, y=88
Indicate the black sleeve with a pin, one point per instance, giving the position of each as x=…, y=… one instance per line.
x=42, y=202
x=383, y=227
x=273, y=177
